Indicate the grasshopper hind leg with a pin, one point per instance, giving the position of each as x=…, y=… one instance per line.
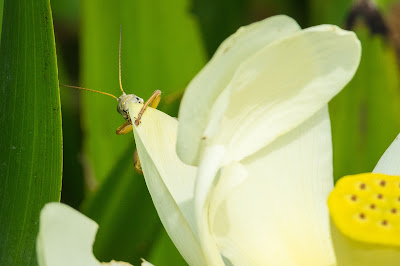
x=125, y=128
x=136, y=163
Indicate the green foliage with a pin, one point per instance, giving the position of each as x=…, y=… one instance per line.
x=73, y=188
x=219, y=19
x=329, y=11
x=123, y=208
x=365, y=116
x=1, y=15
x=30, y=141
x=163, y=253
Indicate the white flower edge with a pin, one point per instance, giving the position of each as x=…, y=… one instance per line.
x=169, y=181
x=271, y=91
x=389, y=163
x=66, y=238
x=199, y=98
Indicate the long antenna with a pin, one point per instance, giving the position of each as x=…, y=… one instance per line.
x=80, y=88
x=120, y=79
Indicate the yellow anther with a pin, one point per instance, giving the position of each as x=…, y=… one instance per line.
x=366, y=207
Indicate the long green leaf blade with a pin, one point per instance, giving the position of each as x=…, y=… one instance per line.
x=30, y=118
x=1, y=15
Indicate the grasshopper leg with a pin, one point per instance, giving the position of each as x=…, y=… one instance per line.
x=153, y=101
x=124, y=128
x=136, y=163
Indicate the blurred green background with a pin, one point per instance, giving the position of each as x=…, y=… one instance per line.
x=164, y=44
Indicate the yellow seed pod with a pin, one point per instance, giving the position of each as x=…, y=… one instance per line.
x=366, y=207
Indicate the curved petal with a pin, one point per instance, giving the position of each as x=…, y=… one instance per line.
x=195, y=110
x=65, y=237
x=170, y=182
x=146, y=263
x=389, y=163
x=207, y=173
x=283, y=85
x=278, y=213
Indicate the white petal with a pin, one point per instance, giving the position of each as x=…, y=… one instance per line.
x=389, y=163
x=278, y=214
x=146, y=263
x=207, y=173
x=200, y=96
x=283, y=85
x=115, y=263
x=170, y=182
x=65, y=237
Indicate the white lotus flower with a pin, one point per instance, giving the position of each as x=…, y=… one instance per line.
x=66, y=238
x=254, y=126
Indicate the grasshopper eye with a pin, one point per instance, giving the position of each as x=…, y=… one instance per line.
x=139, y=100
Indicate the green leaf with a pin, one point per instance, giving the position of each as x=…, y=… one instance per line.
x=30, y=141
x=1, y=14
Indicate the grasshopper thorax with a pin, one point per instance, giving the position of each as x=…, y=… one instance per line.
x=123, y=104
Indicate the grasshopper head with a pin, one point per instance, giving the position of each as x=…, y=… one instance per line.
x=123, y=104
